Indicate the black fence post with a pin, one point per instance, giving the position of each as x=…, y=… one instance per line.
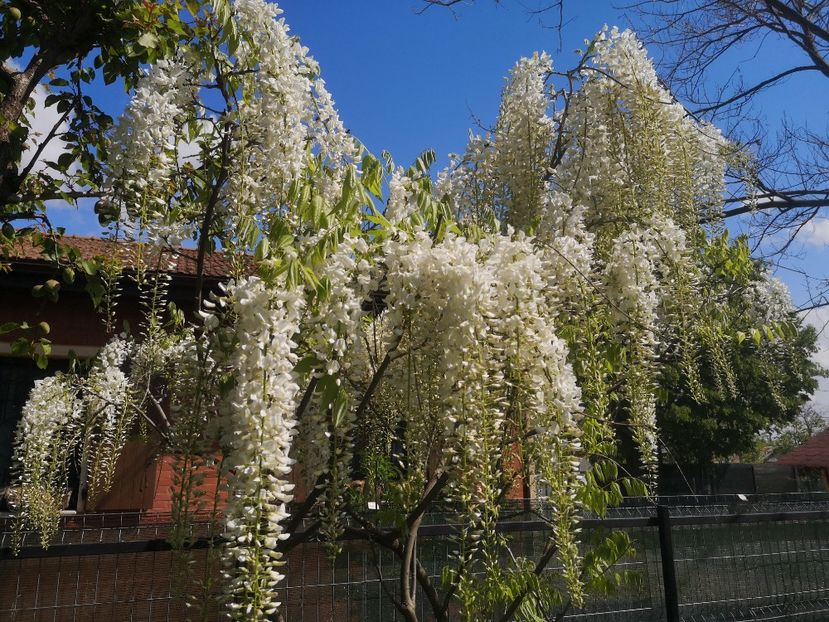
x=666, y=549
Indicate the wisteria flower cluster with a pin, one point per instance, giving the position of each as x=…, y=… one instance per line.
x=260, y=424
x=48, y=424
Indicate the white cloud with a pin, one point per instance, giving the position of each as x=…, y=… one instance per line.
x=819, y=318
x=816, y=232
x=42, y=120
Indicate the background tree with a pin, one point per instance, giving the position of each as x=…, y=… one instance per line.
x=781, y=439
x=776, y=380
x=725, y=426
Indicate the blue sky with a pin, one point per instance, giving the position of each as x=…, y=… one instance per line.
x=406, y=82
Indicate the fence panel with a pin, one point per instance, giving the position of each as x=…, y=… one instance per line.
x=765, y=558
x=776, y=570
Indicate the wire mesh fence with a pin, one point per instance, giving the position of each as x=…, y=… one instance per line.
x=757, y=559
x=776, y=570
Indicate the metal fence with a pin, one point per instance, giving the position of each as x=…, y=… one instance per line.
x=697, y=559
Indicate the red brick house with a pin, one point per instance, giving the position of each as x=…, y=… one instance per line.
x=144, y=479
x=115, y=565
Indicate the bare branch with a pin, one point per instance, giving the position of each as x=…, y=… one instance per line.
x=52, y=195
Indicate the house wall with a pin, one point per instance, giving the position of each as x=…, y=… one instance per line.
x=143, y=478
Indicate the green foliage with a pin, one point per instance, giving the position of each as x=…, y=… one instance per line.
x=773, y=369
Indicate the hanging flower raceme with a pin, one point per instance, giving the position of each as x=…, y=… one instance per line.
x=481, y=379
x=436, y=299
x=259, y=427
x=285, y=112
x=106, y=392
x=569, y=251
x=640, y=274
x=469, y=185
x=524, y=135
x=50, y=423
x=504, y=174
x=67, y=415
x=632, y=150
x=145, y=144
x=543, y=396
x=331, y=328
x=770, y=300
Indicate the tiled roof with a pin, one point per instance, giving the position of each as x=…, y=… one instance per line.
x=812, y=453
x=216, y=265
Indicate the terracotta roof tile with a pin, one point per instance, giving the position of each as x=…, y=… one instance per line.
x=812, y=453
x=216, y=265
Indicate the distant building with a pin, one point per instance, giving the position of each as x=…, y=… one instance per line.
x=812, y=456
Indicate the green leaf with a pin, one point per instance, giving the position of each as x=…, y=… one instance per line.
x=262, y=249
x=65, y=160
x=340, y=408
x=372, y=176
x=328, y=391
x=425, y=160
x=8, y=327
x=90, y=267
x=52, y=99
x=378, y=219
x=148, y=40
x=21, y=346
x=306, y=365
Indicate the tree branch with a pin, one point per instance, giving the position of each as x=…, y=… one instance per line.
x=52, y=195
x=748, y=93
x=540, y=566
